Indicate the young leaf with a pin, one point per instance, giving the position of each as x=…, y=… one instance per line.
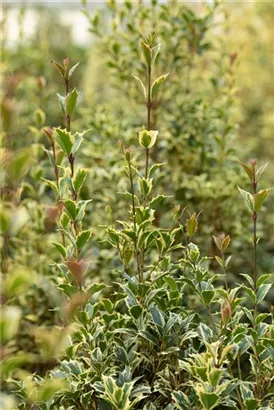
x=225, y=243
x=260, y=171
x=141, y=84
x=208, y=296
x=147, y=138
x=192, y=225
x=154, y=53
x=218, y=242
x=64, y=140
x=83, y=238
x=62, y=102
x=157, y=85
x=79, y=179
x=71, y=101
x=146, y=52
x=208, y=400
x=263, y=278
x=59, y=68
x=248, y=170
x=71, y=71
x=262, y=292
x=259, y=198
x=60, y=249
x=71, y=209
x=249, y=199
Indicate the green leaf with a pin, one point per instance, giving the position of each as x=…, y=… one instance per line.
x=251, y=404
x=147, y=138
x=157, y=317
x=59, y=68
x=64, y=140
x=263, y=278
x=157, y=85
x=218, y=242
x=154, y=168
x=208, y=400
x=250, y=293
x=248, y=278
x=156, y=201
x=219, y=260
x=83, y=238
x=248, y=170
x=208, y=296
x=71, y=209
x=249, y=199
x=79, y=179
x=154, y=52
x=146, y=52
x=145, y=186
x=62, y=102
x=136, y=311
x=260, y=171
x=52, y=185
x=205, y=332
x=261, y=317
x=192, y=225
x=141, y=84
x=71, y=101
x=71, y=71
x=78, y=139
x=60, y=249
x=260, y=197
x=215, y=376
x=262, y=292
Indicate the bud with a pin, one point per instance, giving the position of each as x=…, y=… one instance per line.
x=66, y=61
x=147, y=138
x=41, y=82
x=127, y=154
x=253, y=162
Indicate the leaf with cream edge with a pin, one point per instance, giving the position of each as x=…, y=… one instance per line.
x=260, y=197
x=141, y=84
x=157, y=85
x=249, y=199
x=147, y=138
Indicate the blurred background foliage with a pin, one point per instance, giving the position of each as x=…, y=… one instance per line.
x=217, y=108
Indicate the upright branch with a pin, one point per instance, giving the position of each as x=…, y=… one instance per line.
x=150, y=53
x=68, y=104
x=254, y=202
x=73, y=212
x=148, y=115
x=254, y=187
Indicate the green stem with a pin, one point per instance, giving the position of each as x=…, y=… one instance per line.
x=134, y=220
x=148, y=116
x=255, y=274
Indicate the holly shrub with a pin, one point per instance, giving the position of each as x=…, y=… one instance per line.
x=121, y=219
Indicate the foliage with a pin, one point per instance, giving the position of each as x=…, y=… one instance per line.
x=166, y=327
